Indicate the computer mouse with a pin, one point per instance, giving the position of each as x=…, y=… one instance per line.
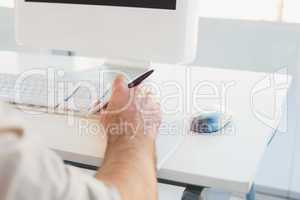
x=210, y=122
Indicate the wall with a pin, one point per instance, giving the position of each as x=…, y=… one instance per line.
x=7, y=35
x=7, y=41
x=260, y=46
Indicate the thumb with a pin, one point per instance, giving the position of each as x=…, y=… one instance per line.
x=119, y=81
x=120, y=91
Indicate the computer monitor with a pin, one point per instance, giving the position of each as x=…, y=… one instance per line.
x=163, y=31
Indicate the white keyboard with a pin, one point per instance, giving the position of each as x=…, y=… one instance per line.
x=38, y=91
x=32, y=91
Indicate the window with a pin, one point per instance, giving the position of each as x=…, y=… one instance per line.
x=291, y=11
x=269, y=10
x=7, y=3
x=239, y=9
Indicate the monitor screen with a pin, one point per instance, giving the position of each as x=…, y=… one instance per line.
x=160, y=4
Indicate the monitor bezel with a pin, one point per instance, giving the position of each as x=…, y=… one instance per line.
x=166, y=4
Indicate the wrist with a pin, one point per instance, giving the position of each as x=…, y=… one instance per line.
x=139, y=141
x=143, y=145
x=122, y=148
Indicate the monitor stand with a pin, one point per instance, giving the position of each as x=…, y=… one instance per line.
x=105, y=71
x=129, y=68
x=134, y=64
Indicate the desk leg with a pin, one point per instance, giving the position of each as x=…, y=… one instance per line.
x=252, y=194
x=192, y=193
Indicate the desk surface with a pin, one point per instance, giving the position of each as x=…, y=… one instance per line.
x=228, y=160
x=295, y=183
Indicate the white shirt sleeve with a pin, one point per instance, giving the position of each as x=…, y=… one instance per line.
x=29, y=171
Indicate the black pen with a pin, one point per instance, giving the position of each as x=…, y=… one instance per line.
x=136, y=82
x=140, y=79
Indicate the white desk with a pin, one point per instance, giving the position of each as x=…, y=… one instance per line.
x=295, y=179
x=227, y=161
x=275, y=172
x=210, y=161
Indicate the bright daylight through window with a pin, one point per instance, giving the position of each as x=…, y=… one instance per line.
x=7, y=3
x=267, y=10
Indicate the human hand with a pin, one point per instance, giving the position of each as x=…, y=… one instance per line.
x=131, y=113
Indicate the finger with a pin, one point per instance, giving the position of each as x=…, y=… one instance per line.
x=136, y=90
x=119, y=84
x=120, y=92
x=95, y=109
x=95, y=103
x=119, y=79
x=102, y=118
x=148, y=97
